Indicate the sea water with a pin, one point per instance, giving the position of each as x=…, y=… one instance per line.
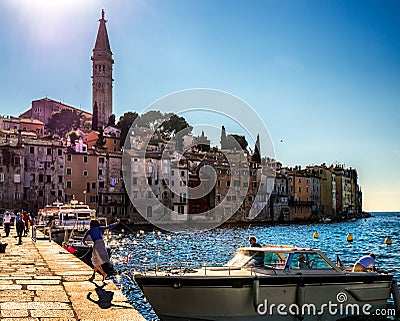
x=134, y=249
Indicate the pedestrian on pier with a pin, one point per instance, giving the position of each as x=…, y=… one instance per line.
x=7, y=223
x=19, y=226
x=99, y=251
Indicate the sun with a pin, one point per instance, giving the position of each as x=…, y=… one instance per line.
x=46, y=22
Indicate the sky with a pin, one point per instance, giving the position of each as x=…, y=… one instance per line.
x=322, y=75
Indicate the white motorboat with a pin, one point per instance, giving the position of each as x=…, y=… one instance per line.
x=292, y=284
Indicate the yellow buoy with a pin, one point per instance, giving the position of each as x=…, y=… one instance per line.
x=350, y=237
x=315, y=235
x=388, y=241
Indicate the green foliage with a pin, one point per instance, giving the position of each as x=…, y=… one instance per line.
x=62, y=122
x=95, y=117
x=111, y=120
x=101, y=140
x=124, y=123
x=256, y=157
x=73, y=136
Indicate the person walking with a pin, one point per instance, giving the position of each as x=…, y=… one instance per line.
x=99, y=251
x=27, y=221
x=19, y=226
x=7, y=223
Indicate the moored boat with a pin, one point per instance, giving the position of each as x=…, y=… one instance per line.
x=293, y=283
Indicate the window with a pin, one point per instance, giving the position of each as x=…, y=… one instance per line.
x=41, y=178
x=309, y=261
x=85, y=173
x=60, y=179
x=31, y=150
x=17, y=195
x=101, y=184
x=48, y=178
x=172, y=173
x=93, y=185
x=219, y=183
x=93, y=198
x=181, y=209
x=59, y=152
x=87, y=187
x=228, y=183
x=1, y=177
x=182, y=173
x=149, y=194
x=134, y=180
x=69, y=171
x=101, y=160
x=299, y=189
x=17, y=161
x=69, y=184
x=48, y=151
x=69, y=158
x=182, y=197
x=40, y=194
x=47, y=165
x=85, y=159
x=59, y=193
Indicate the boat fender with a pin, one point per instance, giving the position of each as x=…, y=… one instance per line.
x=256, y=293
x=300, y=298
x=315, y=235
x=177, y=285
x=396, y=297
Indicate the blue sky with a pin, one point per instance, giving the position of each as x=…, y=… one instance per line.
x=323, y=75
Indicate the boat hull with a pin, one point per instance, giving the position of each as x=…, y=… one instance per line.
x=249, y=298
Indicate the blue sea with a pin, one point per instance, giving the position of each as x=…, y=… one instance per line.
x=218, y=245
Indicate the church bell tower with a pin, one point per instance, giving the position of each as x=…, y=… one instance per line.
x=102, y=81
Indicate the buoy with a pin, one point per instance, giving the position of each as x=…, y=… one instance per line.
x=388, y=241
x=350, y=237
x=315, y=235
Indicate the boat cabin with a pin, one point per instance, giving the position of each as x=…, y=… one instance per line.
x=283, y=258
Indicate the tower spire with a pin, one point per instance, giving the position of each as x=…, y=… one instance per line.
x=102, y=81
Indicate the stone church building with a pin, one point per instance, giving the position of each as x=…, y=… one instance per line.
x=102, y=84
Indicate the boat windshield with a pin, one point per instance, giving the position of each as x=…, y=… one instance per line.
x=275, y=259
x=240, y=258
x=306, y=261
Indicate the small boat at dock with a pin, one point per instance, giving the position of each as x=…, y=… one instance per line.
x=291, y=284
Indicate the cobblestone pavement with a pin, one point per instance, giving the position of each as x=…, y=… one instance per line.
x=42, y=281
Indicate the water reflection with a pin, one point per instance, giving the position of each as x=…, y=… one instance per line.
x=218, y=245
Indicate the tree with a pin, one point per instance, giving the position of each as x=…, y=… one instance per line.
x=223, y=141
x=72, y=136
x=257, y=155
x=111, y=120
x=95, y=117
x=174, y=124
x=124, y=123
x=101, y=140
x=62, y=122
x=233, y=140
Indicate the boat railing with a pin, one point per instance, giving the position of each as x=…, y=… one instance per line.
x=186, y=267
